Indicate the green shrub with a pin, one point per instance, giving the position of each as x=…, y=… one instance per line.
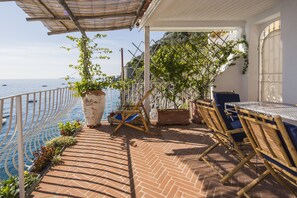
x=10, y=188
x=69, y=128
x=57, y=160
x=43, y=158
x=59, y=142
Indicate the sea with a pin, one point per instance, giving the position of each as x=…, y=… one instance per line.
x=19, y=86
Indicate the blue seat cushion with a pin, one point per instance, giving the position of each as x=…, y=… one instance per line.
x=238, y=137
x=280, y=165
x=236, y=124
x=292, y=131
x=224, y=97
x=228, y=121
x=129, y=119
x=234, y=117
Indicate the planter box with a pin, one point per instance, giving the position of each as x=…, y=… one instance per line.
x=173, y=117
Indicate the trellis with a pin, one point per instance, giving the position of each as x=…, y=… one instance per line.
x=158, y=101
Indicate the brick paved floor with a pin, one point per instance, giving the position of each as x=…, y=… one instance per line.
x=135, y=165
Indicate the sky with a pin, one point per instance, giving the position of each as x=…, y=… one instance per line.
x=27, y=52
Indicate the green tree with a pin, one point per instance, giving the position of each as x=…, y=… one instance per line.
x=192, y=60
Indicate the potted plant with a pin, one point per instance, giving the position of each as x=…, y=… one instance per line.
x=173, y=71
x=189, y=63
x=93, y=80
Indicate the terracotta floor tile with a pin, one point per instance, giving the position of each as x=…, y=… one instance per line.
x=163, y=166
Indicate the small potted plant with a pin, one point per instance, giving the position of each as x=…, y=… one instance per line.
x=93, y=80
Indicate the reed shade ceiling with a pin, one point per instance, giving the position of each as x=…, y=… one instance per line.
x=63, y=16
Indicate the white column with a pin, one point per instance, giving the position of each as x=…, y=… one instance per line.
x=147, y=66
x=250, y=84
x=289, y=41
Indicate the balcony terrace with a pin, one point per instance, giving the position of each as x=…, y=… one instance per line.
x=135, y=165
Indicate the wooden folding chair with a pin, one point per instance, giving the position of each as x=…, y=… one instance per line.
x=226, y=133
x=136, y=113
x=276, y=143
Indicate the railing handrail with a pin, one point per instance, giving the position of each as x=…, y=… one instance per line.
x=34, y=92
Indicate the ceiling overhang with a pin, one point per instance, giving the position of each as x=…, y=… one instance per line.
x=202, y=15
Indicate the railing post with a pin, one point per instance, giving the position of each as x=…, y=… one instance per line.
x=20, y=146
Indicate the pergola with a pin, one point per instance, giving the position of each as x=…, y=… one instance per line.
x=61, y=16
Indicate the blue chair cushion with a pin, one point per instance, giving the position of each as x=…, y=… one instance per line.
x=280, y=165
x=236, y=124
x=129, y=119
x=234, y=117
x=292, y=131
x=238, y=137
x=228, y=121
x=223, y=97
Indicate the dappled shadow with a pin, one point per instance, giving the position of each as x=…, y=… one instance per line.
x=223, y=161
x=134, y=164
x=96, y=165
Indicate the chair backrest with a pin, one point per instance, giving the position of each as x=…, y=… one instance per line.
x=212, y=116
x=269, y=137
x=223, y=97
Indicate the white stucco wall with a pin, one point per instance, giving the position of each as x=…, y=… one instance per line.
x=248, y=85
x=231, y=79
x=289, y=41
x=253, y=28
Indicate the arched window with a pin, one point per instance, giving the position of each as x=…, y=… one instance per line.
x=270, y=66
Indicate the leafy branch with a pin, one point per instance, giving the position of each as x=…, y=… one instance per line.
x=92, y=77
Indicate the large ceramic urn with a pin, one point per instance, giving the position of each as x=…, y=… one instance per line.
x=93, y=105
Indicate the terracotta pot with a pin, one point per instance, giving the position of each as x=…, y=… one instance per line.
x=93, y=106
x=173, y=117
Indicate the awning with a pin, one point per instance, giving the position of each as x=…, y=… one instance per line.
x=63, y=16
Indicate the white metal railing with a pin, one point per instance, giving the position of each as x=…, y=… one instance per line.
x=134, y=93
x=28, y=121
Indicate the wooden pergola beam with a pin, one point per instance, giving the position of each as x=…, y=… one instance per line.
x=88, y=30
x=138, y=12
x=49, y=11
x=65, y=18
x=72, y=17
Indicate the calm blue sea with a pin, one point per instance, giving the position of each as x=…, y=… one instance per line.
x=15, y=87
